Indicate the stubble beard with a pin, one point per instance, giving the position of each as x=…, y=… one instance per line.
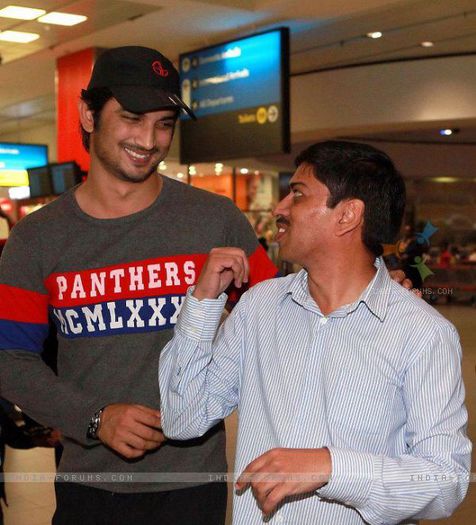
x=115, y=169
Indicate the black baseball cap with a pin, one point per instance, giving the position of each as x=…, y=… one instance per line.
x=141, y=79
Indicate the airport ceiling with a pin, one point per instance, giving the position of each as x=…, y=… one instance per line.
x=325, y=34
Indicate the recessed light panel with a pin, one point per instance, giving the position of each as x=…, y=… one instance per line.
x=19, y=37
x=62, y=19
x=21, y=13
x=375, y=34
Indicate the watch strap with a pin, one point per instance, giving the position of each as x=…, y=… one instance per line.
x=94, y=424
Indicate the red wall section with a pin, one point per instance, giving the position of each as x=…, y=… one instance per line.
x=72, y=75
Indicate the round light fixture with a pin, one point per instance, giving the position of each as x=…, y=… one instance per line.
x=375, y=34
x=447, y=132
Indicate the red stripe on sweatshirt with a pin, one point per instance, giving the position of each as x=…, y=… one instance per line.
x=18, y=304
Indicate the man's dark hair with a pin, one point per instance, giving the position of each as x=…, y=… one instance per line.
x=354, y=170
x=95, y=99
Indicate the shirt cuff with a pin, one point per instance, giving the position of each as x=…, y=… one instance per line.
x=352, y=477
x=199, y=320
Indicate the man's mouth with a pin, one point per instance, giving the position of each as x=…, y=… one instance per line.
x=139, y=156
x=282, y=225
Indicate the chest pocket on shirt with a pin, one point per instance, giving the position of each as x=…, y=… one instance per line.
x=365, y=406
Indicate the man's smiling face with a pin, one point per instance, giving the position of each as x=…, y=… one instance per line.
x=304, y=221
x=130, y=146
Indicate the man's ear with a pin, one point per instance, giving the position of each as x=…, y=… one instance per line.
x=350, y=215
x=85, y=116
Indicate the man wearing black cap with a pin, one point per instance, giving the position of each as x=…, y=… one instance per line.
x=110, y=262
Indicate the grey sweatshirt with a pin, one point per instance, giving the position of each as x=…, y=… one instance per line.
x=114, y=288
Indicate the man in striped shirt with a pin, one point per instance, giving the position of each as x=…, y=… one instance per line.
x=348, y=387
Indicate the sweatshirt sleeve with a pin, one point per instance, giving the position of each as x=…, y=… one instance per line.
x=239, y=233
x=24, y=378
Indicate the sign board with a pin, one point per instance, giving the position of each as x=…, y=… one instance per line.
x=239, y=91
x=15, y=159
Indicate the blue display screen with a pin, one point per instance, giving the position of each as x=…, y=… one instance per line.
x=239, y=91
x=233, y=76
x=22, y=156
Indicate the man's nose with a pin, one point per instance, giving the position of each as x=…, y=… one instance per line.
x=146, y=137
x=282, y=208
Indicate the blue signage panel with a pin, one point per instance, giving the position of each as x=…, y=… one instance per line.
x=239, y=91
x=22, y=156
x=15, y=159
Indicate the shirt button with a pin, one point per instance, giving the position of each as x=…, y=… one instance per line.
x=324, y=320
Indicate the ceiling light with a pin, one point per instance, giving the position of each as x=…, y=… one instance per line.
x=19, y=37
x=180, y=175
x=375, y=34
x=162, y=166
x=448, y=132
x=244, y=171
x=21, y=13
x=447, y=180
x=62, y=19
x=427, y=44
x=218, y=166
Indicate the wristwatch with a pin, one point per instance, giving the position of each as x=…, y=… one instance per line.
x=94, y=423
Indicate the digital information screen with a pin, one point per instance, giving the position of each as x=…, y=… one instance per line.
x=15, y=159
x=239, y=92
x=64, y=176
x=40, y=182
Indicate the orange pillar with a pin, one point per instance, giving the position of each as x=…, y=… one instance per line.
x=72, y=75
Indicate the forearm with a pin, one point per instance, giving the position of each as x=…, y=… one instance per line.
x=26, y=381
x=193, y=395
x=390, y=490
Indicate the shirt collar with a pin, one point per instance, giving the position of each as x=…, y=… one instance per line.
x=375, y=296
x=298, y=288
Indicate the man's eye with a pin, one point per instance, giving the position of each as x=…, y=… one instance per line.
x=166, y=124
x=296, y=193
x=133, y=118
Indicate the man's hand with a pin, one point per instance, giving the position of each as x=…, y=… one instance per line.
x=399, y=277
x=130, y=430
x=223, y=266
x=283, y=472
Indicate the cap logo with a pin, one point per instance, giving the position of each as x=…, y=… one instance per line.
x=159, y=69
